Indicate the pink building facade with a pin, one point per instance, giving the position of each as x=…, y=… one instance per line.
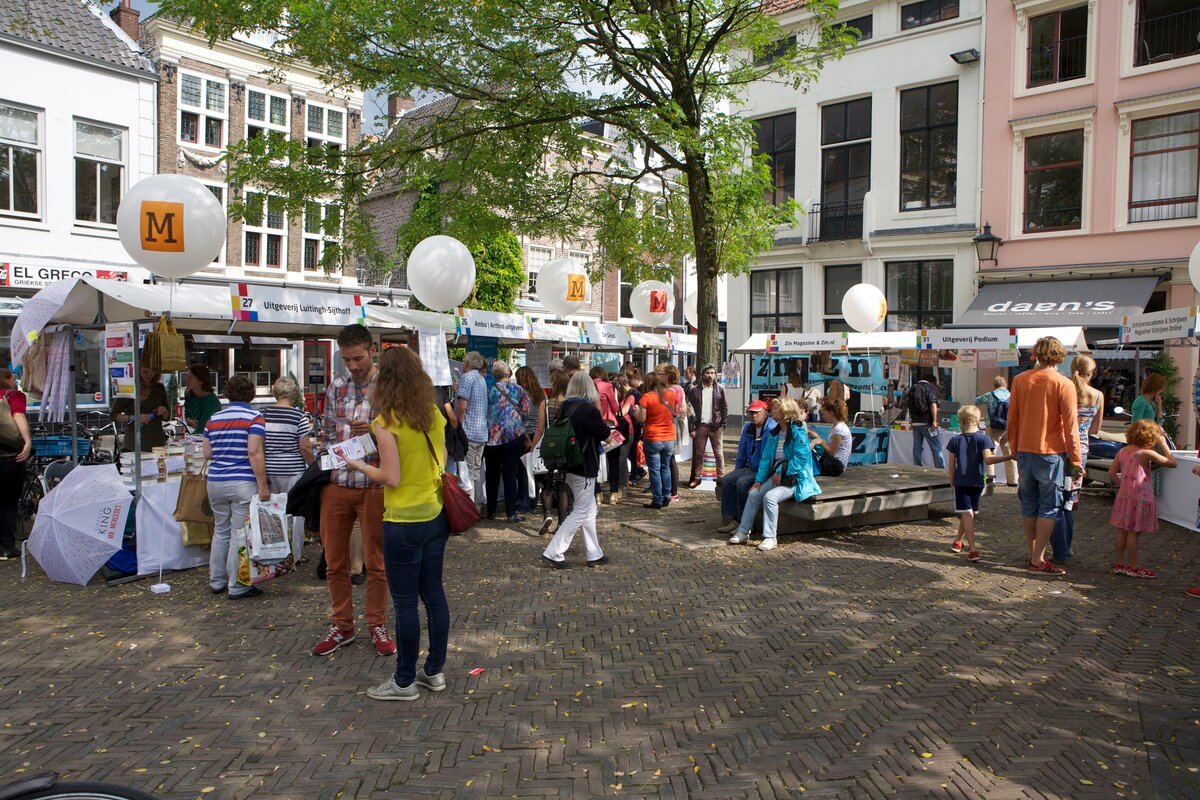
x=1091, y=138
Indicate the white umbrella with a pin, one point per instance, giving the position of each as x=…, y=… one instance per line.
x=36, y=313
x=79, y=525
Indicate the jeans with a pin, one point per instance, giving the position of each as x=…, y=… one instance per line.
x=734, y=488
x=413, y=553
x=923, y=434
x=503, y=461
x=12, y=482
x=471, y=478
x=768, y=496
x=583, y=515
x=230, y=501
x=1040, y=488
x=1064, y=535
x=659, y=458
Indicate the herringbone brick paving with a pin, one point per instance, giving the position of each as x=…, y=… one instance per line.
x=868, y=664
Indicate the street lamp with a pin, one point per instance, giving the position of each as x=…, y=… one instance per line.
x=987, y=245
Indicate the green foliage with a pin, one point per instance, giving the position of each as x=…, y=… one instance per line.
x=1163, y=364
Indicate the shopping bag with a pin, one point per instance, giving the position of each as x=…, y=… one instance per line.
x=268, y=536
x=251, y=572
x=196, y=533
x=193, y=505
x=164, y=350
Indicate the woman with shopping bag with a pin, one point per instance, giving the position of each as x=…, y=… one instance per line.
x=410, y=434
x=288, y=447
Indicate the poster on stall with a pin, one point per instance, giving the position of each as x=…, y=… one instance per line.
x=537, y=358
x=118, y=358
x=1008, y=358
x=905, y=378
x=893, y=367
x=986, y=359
x=768, y=373
x=863, y=373
x=431, y=345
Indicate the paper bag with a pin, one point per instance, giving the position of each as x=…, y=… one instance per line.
x=193, y=505
x=268, y=538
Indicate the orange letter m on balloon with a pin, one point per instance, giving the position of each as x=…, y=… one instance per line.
x=162, y=226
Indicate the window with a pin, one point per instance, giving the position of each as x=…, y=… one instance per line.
x=1058, y=46
x=322, y=235
x=325, y=127
x=1164, y=167
x=920, y=294
x=202, y=110
x=929, y=146
x=625, y=310
x=20, y=161
x=266, y=113
x=1054, y=182
x=838, y=280
x=775, y=301
x=864, y=25
x=777, y=51
x=845, y=170
x=927, y=12
x=265, y=231
x=218, y=191
x=538, y=258
x=99, y=167
x=1166, y=30
x=776, y=138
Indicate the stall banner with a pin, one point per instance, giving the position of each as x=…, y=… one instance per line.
x=604, y=335
x=497, y=324
x=805, y=342
x=967, y=339
x=256, y=303
x=431, y=345
x=768, y=372
x=863, y=374
x=870, y=444
x=1174, y=323
x=681, y=342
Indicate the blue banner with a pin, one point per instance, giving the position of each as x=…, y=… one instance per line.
x=870, y=444
x=861, y=373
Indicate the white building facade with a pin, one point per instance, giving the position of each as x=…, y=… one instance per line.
x=882, y=151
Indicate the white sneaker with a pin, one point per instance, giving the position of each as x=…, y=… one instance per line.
x=390, y=691
x=434, y=683
x=767, y=544
x=739, y=538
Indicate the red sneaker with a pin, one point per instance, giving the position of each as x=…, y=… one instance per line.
x=1140, y=572
x=1119, y=569
x=1192, y=591
x=384, y=645
x=956, y=546
x=1045, y=568
x=973, y=555
x=333, y=640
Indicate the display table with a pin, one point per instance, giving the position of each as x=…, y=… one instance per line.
x=900, y=450
x=1179, y=492
x=159, y=536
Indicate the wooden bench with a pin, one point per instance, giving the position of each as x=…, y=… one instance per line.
x=878, y=494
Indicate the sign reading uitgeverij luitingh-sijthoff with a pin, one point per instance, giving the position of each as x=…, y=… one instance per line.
x=254, y=303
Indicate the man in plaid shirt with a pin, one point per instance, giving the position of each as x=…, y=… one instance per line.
x=351, y=496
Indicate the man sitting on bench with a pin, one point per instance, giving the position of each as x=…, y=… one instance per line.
x=735, y=485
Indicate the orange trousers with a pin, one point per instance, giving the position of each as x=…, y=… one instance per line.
x=340, y=507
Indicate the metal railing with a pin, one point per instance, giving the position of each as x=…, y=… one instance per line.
x=1057, y=61
x=832, y=222
x=1160, y=210
x=1167, y=37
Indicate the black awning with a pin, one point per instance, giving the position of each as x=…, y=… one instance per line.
x=1093, y=301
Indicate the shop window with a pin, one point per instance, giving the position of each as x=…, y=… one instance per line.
x=1058, y=46
x=929, y=146
x=927, y=12
x=20, y=161
x=1164, y=167
x=776, y=301
x=920, y=294
x=1054, y=182
x=203, y=110
x=99, y=172
x=775, y=137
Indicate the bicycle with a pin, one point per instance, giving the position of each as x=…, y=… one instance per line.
x=47, y=787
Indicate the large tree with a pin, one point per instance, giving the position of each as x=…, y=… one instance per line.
x=674, y=178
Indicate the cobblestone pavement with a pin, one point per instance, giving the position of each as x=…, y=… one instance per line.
x=864, y=664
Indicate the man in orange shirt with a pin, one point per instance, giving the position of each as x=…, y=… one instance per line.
x=1043, y=432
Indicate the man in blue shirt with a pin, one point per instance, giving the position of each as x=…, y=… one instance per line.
x=735, y=486
x=471, y=405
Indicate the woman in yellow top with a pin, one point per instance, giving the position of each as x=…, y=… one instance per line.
x=411, y=435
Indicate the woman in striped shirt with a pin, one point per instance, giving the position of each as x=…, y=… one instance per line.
x=289, y=448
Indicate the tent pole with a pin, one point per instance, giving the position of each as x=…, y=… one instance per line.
x=136, y=419
x=71, y=389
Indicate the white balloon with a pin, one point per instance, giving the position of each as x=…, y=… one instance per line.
x=864, y=307
x=1194, y=266
x=562, y=286
x=171, y=224
x=652, y=302
x=441, y=272
x=690, y=312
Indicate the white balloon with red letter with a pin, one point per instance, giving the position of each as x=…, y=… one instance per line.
x=562, y=286
x=172, y=225
x=864, y=307
x=441, y=272
x=652, y=303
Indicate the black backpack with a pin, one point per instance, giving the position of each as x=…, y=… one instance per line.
x=918, y=399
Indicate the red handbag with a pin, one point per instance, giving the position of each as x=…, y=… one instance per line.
x=461, y=511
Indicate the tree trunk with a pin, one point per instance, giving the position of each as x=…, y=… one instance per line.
x=708, y=340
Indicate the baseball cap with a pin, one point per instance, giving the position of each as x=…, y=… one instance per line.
x=756, y=405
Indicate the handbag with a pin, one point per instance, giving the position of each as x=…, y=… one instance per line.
x=11, y=441
x=193, y=505
x=461, y=511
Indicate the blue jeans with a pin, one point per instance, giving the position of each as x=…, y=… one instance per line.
x=734, y=488
x=921, y=435
x=1040, y=488
x=1064, y=535
x=659, y=456
x=413, y=553
x=768, y=496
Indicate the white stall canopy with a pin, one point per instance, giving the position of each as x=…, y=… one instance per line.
x=1072, y=337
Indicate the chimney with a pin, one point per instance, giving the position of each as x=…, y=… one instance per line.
x=397, y=105
x=127, y=19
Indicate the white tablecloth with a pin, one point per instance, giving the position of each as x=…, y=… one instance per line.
x=1179, y=493
x=900, y=450
x=159, y=537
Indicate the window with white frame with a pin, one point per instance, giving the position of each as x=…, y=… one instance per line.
x=265, y=236
x=1164, y=167
x=218, y=191
x=99, y=172
x=325, y=126
x=266, y=112
x=538, y=258
x=203, y=110
x=322, y=235
x=20, y=161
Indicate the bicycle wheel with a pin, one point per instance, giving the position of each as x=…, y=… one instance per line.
x=27, y=506
x=81, y=790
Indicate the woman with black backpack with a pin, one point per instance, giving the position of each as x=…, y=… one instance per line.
x=582, y=408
